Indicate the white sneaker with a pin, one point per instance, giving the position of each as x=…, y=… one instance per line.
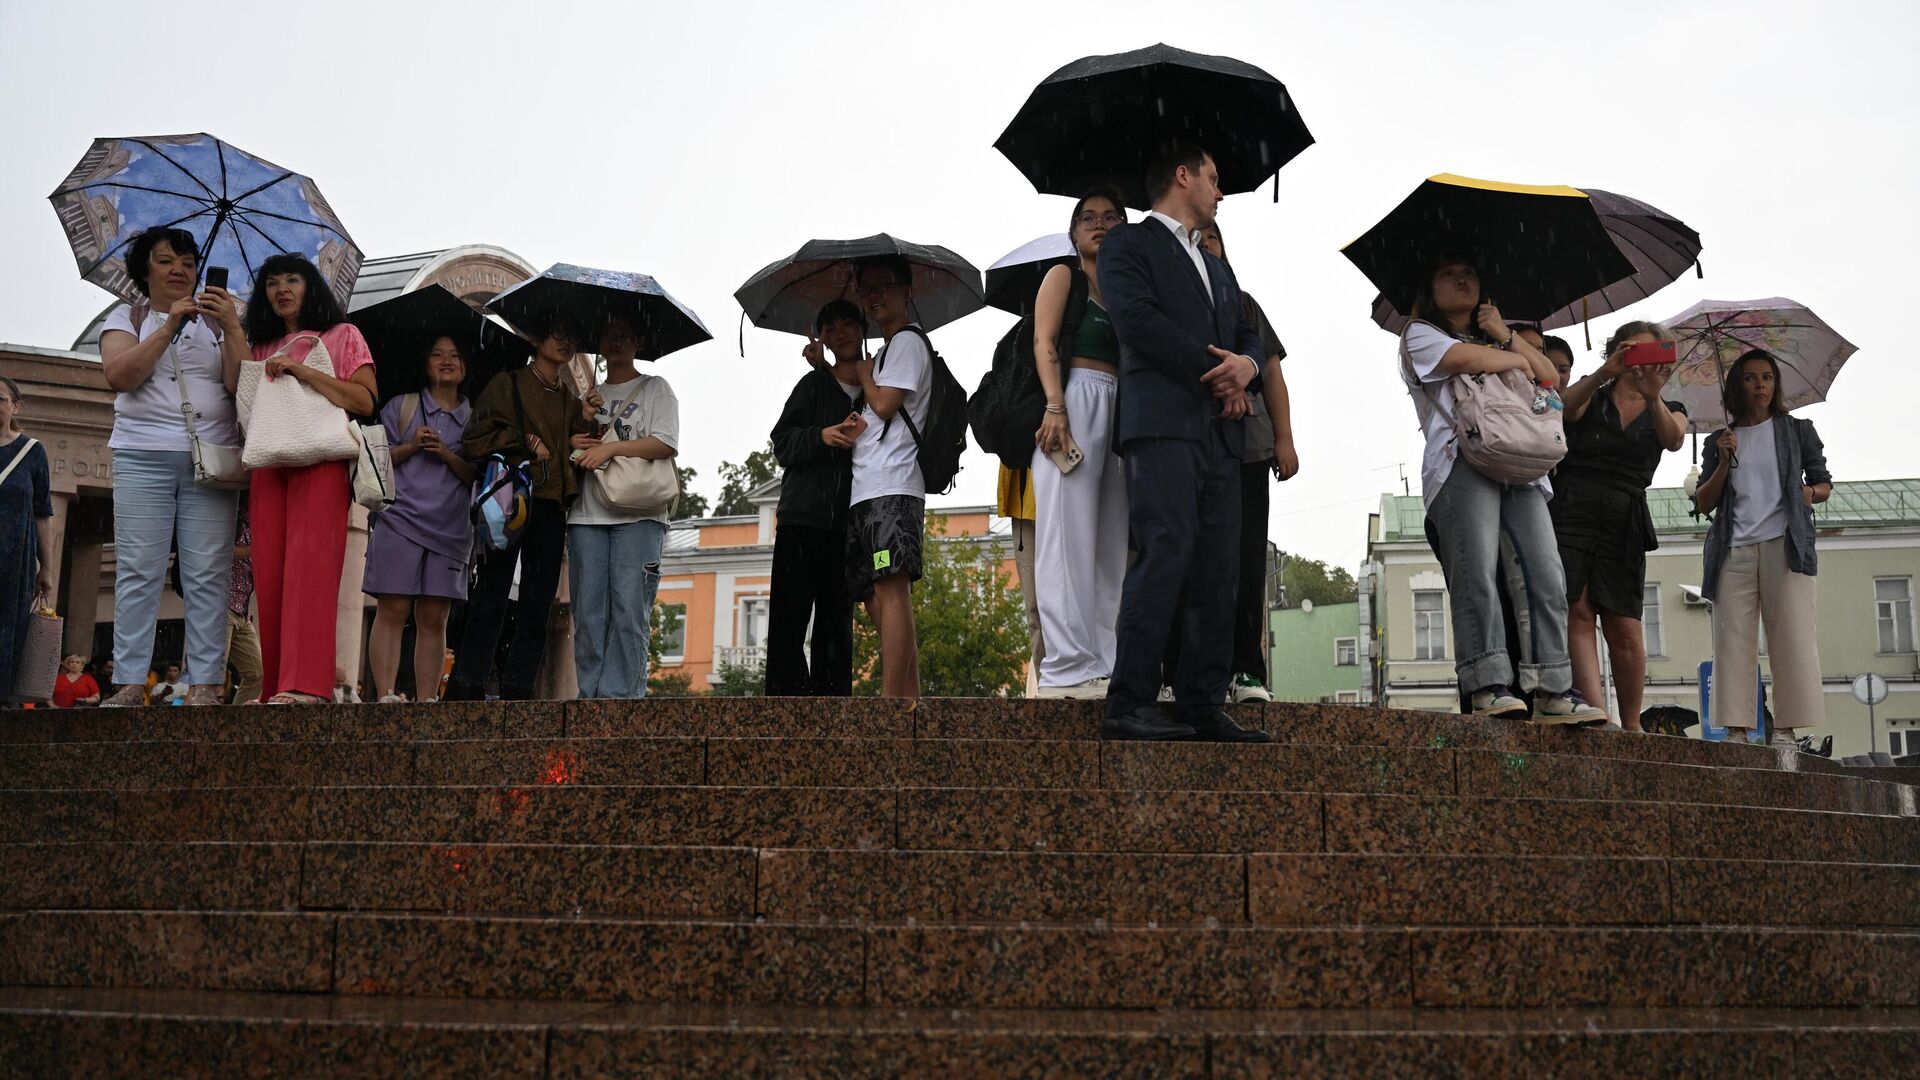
x=1166, y=695
x=392, y=699
x=1247, y=688
x=1568, y=709
x=1091, y=690
x=1497, y=702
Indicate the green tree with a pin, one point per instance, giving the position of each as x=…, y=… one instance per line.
x=740, y=680
x=742, y=478
x=689, y=505
x=969, y=622
x=1311, y=579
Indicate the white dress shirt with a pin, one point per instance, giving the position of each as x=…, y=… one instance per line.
x=1189, y=242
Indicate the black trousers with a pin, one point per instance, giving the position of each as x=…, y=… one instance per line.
x=1183, y=508
x=538, y=557
x=809, y=582
x=1249, y=606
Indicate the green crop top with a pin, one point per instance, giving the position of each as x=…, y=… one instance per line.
x=1095, y=340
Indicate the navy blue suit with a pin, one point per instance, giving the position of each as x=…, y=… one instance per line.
x=1182, y=463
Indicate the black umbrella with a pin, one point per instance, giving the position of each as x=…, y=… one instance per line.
x=1099, y=119
x=786, y=294
x=584, y=297
x=401, y=331
x=1013, y=282
x=1660, y=246
x=1668, y=719
x=1537, y=248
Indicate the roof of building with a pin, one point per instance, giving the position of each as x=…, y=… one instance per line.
x=1854, y=504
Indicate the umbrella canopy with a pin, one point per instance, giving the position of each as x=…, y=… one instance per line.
x=1537, y=248
x=1660, y=246
x=786, y=294
x=1013, y=281
x=1101, y=118
x=239, y=208
x=584, y=298
x=1713, y=333
x=401, y=331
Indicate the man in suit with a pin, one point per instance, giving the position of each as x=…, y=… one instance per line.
x=1186, y=366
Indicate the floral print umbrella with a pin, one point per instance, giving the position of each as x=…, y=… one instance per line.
x=1714, y=333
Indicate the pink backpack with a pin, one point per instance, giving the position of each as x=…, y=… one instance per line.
x=1503, y=425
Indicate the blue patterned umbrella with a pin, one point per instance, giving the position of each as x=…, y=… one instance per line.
x=583, y=297
x=239, y=208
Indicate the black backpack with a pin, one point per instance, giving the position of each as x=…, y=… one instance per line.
x=939, y=447
x=1007, y=408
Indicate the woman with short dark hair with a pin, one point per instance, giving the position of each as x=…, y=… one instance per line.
x=175, y=346
x=1764, y=473
x=1617, y=428
x=299, y=513
x=26, y=531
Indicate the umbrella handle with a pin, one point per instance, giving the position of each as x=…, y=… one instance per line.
x=743, y=334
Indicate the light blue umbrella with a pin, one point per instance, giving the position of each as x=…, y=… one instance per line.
x=240, y=210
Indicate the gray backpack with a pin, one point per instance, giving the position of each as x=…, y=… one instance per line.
x=1503, y=426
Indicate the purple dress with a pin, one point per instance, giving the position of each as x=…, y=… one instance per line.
x=421, y=545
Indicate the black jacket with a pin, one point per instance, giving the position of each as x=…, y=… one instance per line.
x=1165, y=321
x=818, y=479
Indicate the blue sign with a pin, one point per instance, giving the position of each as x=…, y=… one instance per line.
x=1713, y=732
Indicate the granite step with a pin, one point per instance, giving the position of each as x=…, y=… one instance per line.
x=947, y=763
x=935, y=718
x=797, y=885
x=960, y=819
x=144, y=1033
x=961, y=966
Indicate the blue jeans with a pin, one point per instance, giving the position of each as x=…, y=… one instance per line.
x=157, y=506
x=1470, y=514
x=614, y=574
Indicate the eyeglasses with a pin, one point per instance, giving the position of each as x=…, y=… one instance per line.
x=1109, y=219
x=877, y=288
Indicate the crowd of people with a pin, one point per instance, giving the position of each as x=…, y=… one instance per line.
x=1139, y=520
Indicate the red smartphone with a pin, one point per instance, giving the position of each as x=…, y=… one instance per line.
x=1648, y=353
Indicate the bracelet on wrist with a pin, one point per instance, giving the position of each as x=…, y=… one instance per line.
x=1057, y=410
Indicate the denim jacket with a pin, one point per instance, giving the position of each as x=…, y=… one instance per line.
x=1803, y=461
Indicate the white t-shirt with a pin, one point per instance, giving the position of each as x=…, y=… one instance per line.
x=655, y=411
x=147, y=417
x=885, y=459
x=1759, y=506
x=1426, y=345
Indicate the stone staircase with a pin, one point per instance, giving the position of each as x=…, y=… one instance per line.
x=736, y=887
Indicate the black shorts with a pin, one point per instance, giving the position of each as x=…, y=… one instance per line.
x=883, y=538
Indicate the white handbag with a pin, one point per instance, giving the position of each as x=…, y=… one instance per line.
x=289, y=424
x=214, y=465
x=638, y=485
x=373, y=468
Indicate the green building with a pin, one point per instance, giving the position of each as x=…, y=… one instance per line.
x=1316, y=653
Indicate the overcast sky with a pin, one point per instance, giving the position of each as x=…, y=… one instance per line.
x=699, y=142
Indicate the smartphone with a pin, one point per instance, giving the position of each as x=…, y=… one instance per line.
x=1066, y=458
x=1648, y=353
x=216, y=277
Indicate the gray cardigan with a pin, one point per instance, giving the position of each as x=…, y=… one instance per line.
x=1803, y=461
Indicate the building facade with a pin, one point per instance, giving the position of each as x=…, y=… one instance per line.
x=1315, y=653
x=1869, y=544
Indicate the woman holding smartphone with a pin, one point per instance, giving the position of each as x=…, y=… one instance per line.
x=1079, y=490
x=176, y=344
x=1764, y=473
x=1617, y=428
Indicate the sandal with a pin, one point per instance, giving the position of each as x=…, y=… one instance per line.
x=295, y=697
x=204, y=695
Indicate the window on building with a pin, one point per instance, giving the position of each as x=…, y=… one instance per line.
x=1346, y=652
x=1650, y=619
x=1911, y=744
x=1893, y=610
x=1347, y=696
x=673, y=633
x=753, y=622
x=1429, y=625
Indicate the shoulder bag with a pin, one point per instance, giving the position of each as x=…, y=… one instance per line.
x=634, y=484
x=289, y=424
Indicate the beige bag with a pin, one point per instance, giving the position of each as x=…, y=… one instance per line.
x=290, y=424
x=638, y=485
x=39, y=660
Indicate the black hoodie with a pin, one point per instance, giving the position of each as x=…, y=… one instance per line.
x=818, y=479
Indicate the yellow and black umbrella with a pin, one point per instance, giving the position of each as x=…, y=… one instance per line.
x=1537, y=248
